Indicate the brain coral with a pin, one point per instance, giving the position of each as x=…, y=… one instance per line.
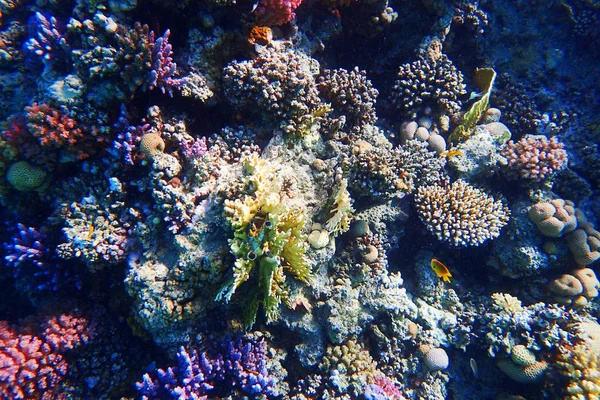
x=460, y=214
x=25, y=176
x=555, y=218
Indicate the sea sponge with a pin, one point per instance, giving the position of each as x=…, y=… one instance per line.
x=152, y=144
x=555, y=218
x=436, y=359
x=584, y=243
x=460, y=214
x=25, y=176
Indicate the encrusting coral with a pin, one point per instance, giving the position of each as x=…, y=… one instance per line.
x=268, y=242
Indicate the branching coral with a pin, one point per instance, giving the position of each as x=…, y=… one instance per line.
x=534, y=158
x=431, y=81
x=351, y=94
x=460, y=214
x=281, y=83
x=268, y=242
x=242, y=367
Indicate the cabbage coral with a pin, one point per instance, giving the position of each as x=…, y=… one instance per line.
x=267, y=243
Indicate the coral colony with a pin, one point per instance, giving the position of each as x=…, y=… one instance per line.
x=335, y=199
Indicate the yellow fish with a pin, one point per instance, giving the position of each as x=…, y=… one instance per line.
x=441, y=270
x=451, y=153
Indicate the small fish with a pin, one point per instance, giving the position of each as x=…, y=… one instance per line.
x=452, y=153
x=474, y=367
x=441, y=270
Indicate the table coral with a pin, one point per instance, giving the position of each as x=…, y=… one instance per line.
x=460, y=214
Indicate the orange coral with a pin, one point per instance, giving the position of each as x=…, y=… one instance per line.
x=260, y=34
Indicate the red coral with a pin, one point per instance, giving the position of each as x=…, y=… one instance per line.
x=29, y=367
x=55, y=129
x=534, y=157
x=67, y=331
x=276, y=12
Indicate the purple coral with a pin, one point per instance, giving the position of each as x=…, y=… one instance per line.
x=193, y=150
x=34, y=266
x=242, y=365
x=163, y=67
x=127, y=137
x=48, y=41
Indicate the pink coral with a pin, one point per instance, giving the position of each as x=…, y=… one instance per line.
x=276, y=12
x=54, y=129
x=534, y=157
x=29, y=367
x=67, y=331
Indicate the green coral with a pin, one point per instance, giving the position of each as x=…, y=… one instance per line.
x=268, y=244
x=485, y=79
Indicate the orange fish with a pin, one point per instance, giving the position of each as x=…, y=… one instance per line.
x=451, y=153
x=441, y=270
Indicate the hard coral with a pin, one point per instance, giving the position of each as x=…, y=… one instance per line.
x=460, y=214
x=351, y=94
x=554, y=219
x=534, y=158
x=29, y=367
x=241, y=367
x=280, y=83
x=276, y=12
x=431, y=81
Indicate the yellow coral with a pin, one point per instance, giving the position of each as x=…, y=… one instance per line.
x=267, y=243
x=581, y=365
x=342, y=211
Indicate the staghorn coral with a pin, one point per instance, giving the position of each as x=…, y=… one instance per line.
x=279, y=82
x=460, y=214
x=431, y=81
x=534, y=158
x=351, y=95
x=31, y=362
x=49, y=42
x=268, y=242
x=35, y=266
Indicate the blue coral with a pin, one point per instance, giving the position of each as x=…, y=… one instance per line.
x=34, y=265
x=241, y=364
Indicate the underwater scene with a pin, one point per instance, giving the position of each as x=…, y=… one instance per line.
x=300, y=199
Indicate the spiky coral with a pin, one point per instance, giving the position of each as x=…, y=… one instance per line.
x=267, y=243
